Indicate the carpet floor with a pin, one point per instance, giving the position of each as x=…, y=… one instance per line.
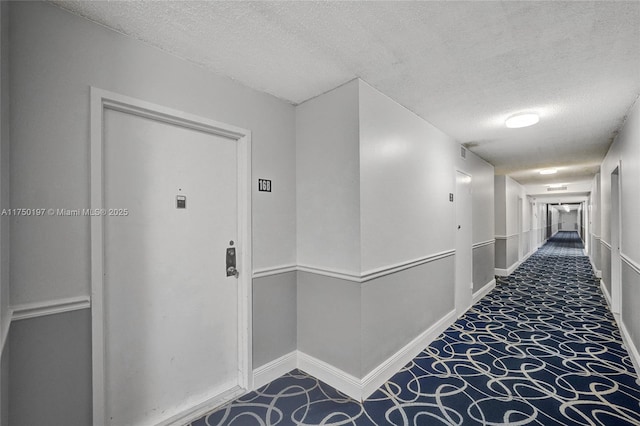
x=541, y=349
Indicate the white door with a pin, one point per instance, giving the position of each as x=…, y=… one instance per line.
x=520, y=231
x=464, y=242
x=616, y=265
x=170, y=311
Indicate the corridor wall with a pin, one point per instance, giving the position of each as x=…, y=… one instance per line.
x=385, y=213
x=512, y=225
x=625, y=154
x=596, y=223
x=5, y=311
x=54, y=58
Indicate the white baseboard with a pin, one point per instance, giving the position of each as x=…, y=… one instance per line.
x=274, y=369
x=606, y=294
x=383, y=372
x=199, y=410
x=596, y=271
x=361, y=389
x=484, y=291
x=358, y=389
x=506, y=272
x=631, y=347
x=343, y=381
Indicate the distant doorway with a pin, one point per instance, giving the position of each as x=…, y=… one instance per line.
x=616, y=266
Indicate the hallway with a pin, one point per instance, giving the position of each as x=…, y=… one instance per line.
x=542, y=348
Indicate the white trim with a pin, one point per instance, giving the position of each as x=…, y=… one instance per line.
x=197, y=411
x=333, y=273
x=274, y=369
x=383, y=372
x=633, y=265
x=486, y=289
x=606, y=244
x=631, y=347
x=342, y=381
x=596, y=271
x=101, y=99
x=6, y=324
x=374, y=273
x=605, y=293
x=361, y=389
x=506, y=237
x=484, y=243
x=506, y=272
x=274, y=270
x=50, y=307
x=391, y=269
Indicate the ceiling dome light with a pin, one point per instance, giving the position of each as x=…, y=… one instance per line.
x=548, y=171
x=521, y=120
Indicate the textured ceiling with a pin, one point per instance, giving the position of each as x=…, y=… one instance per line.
x=463, y=66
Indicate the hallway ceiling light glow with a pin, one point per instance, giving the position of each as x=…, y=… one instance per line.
x=548, y=171
x=556, y=185
x=521, y=120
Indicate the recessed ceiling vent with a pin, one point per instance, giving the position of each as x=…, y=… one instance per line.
x=561, y=188
x=463, y=152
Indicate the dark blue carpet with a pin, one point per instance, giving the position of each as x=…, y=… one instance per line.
x=540, y=349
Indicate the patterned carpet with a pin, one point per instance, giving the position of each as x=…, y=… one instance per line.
x=540, y=349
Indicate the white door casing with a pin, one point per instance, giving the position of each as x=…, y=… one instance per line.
x=171, y=333
x=464, y=243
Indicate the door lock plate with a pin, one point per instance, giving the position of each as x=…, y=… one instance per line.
x=231, y=262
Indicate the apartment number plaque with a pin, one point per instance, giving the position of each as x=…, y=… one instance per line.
x=264, y=185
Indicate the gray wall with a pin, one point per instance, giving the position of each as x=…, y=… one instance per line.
x=397, y=308
x=596, y=252
x=501, y=253
x=5, y=317
x=4, y=387
x=274, y=317
x=4, y=169
x=625, y=151
x=630, y=297
x=506, y=251
x=329, y=312
x=50, y=373
x=356, y=326
x=605, y=265
x=483, y=270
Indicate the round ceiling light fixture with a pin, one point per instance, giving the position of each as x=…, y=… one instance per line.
x=548, y=171
x=522, y=120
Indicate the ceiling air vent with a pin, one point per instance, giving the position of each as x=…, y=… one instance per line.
x=561, y=188
x=463, y=152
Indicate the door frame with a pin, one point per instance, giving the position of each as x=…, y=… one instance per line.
x=615, y=226
x=101, y=100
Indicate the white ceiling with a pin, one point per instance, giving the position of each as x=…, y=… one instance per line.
x=463, y=66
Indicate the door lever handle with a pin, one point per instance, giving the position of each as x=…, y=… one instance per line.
x=232, y=271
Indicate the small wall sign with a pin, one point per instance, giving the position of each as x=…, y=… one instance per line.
x=264, y=185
